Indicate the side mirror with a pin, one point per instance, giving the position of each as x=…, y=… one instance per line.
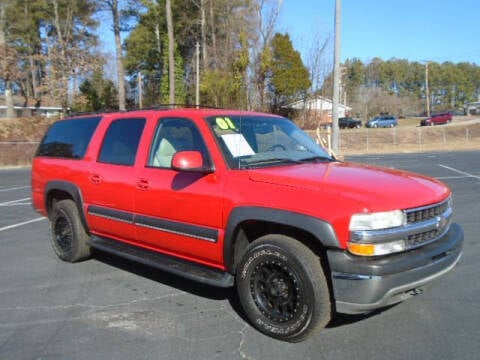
x=189, y=161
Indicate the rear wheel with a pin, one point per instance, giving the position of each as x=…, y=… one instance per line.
x=283, y=289
x=67, y=234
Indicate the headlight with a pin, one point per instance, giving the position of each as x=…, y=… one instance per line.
x=378, y=220
x=363, y=225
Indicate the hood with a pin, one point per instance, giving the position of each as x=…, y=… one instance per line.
x=374, y=188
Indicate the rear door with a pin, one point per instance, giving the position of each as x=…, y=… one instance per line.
x=109, y=197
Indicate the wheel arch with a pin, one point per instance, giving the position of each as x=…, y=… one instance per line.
x=61, y=190
x=248, y=223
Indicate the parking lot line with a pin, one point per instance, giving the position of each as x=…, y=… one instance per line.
x=16, y=202
x=14, y=188
x=21, y=224
x=459, y=172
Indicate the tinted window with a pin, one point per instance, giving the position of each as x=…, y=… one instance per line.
x=68, y=138
x=174, y=135
x=121, y=142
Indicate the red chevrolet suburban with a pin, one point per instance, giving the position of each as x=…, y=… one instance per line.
x=233, y=198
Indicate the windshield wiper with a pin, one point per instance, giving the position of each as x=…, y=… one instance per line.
x=316, y=158
x=270, y=161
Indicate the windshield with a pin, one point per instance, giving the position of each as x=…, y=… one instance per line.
x=261, y=141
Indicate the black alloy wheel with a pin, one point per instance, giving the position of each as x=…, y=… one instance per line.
x=68, y=236
x=282, y=288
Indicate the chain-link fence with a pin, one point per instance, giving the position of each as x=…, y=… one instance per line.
x=409, y=139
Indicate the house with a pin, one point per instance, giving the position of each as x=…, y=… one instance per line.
x=46, y=111
x=30, y=109
x=320, y=107
x=473, y=108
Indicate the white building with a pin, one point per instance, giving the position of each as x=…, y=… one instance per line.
x=47, y=111
x=473, y=108
x=319, y=109
x=321, y=105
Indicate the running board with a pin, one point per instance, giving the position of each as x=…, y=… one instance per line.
x=192, y=271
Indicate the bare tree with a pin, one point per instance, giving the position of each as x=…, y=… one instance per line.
x=5, y=64
x=113, y=8
x=267, y=16
x=318, y=61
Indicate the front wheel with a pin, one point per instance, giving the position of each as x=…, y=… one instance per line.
x=283, y=289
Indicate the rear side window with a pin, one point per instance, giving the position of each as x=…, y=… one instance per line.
x=68, y=138
x=121, y=142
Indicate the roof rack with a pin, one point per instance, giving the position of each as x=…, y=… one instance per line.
x=154, y=107
x=97, y=112
x=175, y=106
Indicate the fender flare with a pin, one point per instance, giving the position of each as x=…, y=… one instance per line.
x=74, y=192
x=320, y=229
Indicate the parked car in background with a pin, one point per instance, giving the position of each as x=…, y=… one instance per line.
x=437, y=119
x=382, y=121
x=348, y=122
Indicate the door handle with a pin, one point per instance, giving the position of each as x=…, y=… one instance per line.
x=143, y=184
x=96, y=179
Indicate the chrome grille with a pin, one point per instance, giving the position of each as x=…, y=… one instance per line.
x=422, y=238
x=438, y=214
x=427, y=213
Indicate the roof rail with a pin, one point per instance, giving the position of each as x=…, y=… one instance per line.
x=97, y=112
x=175, y=106
x=153, y=107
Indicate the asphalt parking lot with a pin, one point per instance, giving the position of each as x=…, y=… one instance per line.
x=107, y=308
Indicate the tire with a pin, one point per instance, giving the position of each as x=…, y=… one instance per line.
x=67, y=234
x=282, y=288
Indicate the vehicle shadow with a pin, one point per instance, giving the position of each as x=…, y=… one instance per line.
x=339, y=320
x=207, y=291
x=163, y=277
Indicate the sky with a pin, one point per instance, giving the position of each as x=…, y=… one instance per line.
x=416, y=30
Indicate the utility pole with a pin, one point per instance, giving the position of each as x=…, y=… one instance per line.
x=336, y=79
x=140, y=93
x=197, y=73
x=427, y=92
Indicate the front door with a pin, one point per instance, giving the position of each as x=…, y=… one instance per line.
x=179, y=213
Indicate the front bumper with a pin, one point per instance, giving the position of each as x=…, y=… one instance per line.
x=364, y=284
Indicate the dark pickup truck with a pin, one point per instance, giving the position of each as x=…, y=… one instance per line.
x=348, y=122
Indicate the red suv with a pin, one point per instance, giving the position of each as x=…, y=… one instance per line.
x=437, y=119
x=232, y=198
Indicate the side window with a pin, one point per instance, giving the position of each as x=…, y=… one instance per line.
x=121, y=142
x=68, y=138
x=171, y=136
